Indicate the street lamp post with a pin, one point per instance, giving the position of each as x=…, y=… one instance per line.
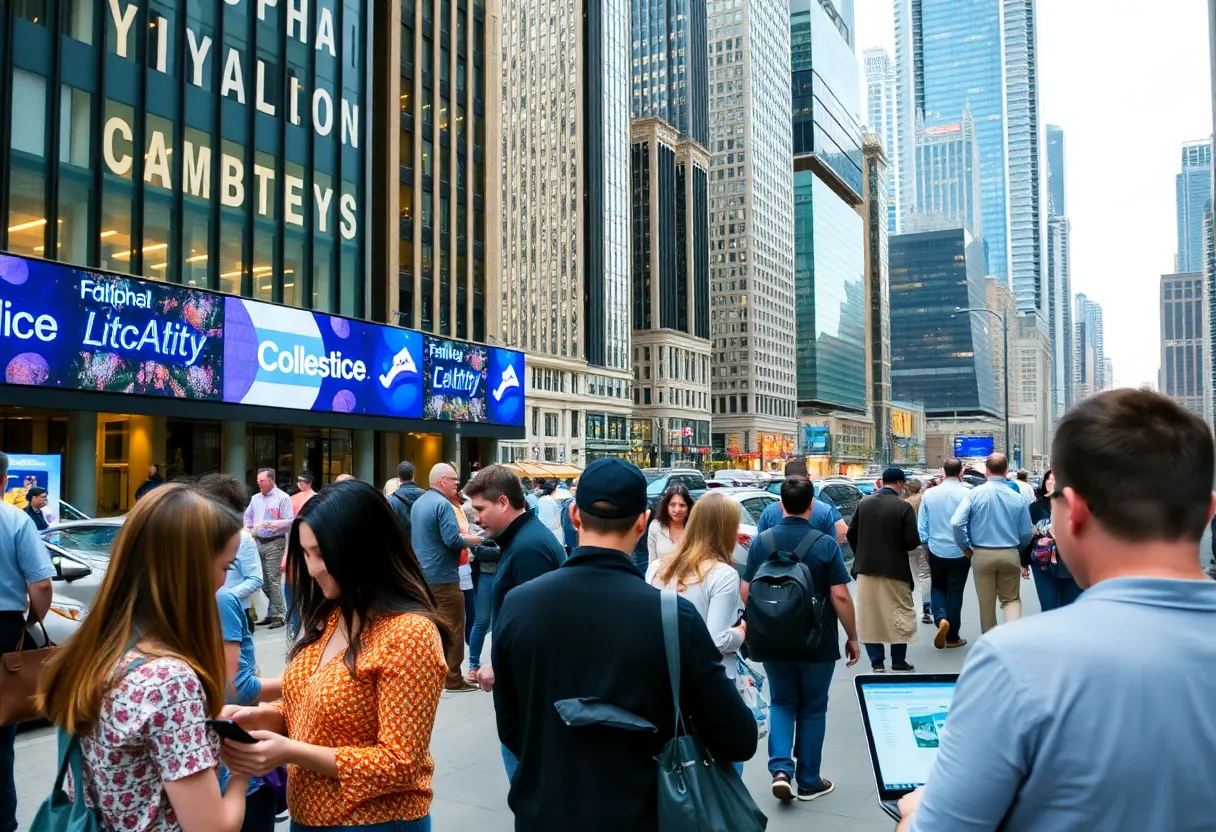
x=1005, y=333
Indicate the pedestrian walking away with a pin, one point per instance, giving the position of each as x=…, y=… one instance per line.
x=268, y=518
x=404, y=495
x=667, y=528
x=799, y=689
x=992, y=527
x=1022, y=483
x=548, y=510
x=882, y=531
x=438, y=542
x=1054, y=584
x=25, y=584
x=948, y=566
x=597, y=778
x=1036, y=735
x=824, y=516
x=146, y=657
x=918, y=562
x=363, y=682
x=526, y=551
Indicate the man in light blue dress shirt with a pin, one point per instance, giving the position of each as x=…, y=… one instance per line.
x=992, y=527
x=1098, y=715
x=948, y=567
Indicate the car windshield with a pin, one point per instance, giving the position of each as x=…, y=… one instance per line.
x=91, y=540
x=655, y=487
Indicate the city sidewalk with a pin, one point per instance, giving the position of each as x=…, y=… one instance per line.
x=471, y=787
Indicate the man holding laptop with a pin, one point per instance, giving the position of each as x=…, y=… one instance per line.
x=1098, y=715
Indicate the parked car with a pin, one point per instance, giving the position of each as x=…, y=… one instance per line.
x=752, y=502
x=80, y=550
x=658, y=480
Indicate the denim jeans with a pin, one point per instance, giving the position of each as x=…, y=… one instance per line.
x=878, y=654
x=1054, y=592
x=798, y=718
x=293, y=611
x=510, y=762
x=477, y=642
x=259, y=811
x=470, y=613
x=420, y=825
x=11, y=626
x=949, y=580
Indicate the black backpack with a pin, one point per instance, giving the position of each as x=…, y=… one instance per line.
x=784, y=617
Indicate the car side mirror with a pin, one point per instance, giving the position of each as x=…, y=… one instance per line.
x=69, y=570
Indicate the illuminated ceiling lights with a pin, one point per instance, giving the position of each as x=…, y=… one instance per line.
x=26, y=226
x=122, y=255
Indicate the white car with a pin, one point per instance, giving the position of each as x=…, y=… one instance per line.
x=76, y=544
x=62, y=619
x=752, y=502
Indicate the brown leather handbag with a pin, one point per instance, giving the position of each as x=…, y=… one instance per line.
x=19, y=674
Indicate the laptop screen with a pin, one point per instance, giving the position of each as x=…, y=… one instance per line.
x=906, y=722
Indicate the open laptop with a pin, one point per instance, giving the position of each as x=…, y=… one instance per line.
x=903, y=716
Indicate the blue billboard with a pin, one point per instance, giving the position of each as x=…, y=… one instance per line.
x=970, y=447
x=77, y=329
x=814, y=439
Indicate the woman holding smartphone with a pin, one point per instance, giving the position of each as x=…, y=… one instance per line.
x=137, y=682
x=362, y=682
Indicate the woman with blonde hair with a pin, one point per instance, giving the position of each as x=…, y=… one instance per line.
x=135, y=685
x=702, y=570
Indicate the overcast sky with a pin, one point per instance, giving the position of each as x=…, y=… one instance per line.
x=1128, y=82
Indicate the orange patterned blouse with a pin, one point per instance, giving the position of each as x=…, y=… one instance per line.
x=379, y=724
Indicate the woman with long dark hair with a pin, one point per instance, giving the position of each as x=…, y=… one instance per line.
x=362, y=682
x=1053, y=582
x=667, y=527
x=135, y=685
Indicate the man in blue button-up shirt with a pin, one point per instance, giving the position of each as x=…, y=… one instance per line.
x=992, y=527
x=948, y=566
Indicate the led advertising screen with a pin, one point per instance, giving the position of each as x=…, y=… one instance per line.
x=76, y=329
x=971, y=447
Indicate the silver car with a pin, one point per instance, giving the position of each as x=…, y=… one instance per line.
x=81, y=543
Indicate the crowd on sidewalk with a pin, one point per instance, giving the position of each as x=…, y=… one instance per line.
x=381, y=592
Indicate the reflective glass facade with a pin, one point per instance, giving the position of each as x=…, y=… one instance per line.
x=826, y=92
x=669, y=71
x=219, y=145
x=829, y=297
x=938, y=358
x=948, y=176
x=880, y=117
x=1183, y=341
x=1193, y=189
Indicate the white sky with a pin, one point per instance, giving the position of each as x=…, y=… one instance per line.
x=1128, y=82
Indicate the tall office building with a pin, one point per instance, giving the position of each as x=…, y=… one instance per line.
x=1089, y=370
x=1192, y=191
x=751, y=232
x=982, y=53
x=668, y=77
x=948, y=176
x=938, y=358
x=880, y=117
x=564, y=179
x=878, y=293
x=1209, y=279
x=1059, y=279
x=829, y=235
x=1184, y=336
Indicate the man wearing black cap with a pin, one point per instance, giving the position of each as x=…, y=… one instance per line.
x=882, y=531
x=591, y=632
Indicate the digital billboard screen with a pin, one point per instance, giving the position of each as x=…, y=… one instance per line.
x=76, y=329
x=970, y=447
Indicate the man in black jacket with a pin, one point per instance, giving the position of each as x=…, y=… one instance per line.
x=403, y=499
x=154, y=480
x=882, y=531
x=592, y=630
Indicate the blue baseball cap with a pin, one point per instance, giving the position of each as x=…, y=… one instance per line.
x=893, y=474
x=616, y=485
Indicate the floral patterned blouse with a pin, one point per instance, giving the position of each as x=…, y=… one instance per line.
x=379, y=724
x=152, y=728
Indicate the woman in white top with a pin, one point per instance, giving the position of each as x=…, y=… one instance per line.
x=701, y=570
x=667, y=528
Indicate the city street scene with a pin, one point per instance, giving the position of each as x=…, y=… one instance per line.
x=650, y=416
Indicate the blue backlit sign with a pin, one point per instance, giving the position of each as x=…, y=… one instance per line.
x=77, y=329
x=972, y=447
x=814, y=439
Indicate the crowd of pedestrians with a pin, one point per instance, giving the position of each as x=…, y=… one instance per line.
x=578, y=664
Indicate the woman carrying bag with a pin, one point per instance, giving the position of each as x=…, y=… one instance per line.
x=1053, y=582
x=132, y=691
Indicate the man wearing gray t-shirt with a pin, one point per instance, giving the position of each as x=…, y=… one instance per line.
x=1098, y=715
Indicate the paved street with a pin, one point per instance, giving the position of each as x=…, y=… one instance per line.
x=471, y=789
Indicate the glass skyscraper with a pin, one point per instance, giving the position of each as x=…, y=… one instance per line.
x=668, y=79
x=951, y=54
x=1193, y=189
x=880, y=117
x=1059, y=280
x=948, y=176
x=938, y=357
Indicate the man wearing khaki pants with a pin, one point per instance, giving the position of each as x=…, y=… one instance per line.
x=992, y=527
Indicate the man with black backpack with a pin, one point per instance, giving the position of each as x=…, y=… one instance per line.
x=796, y=587
x=407, y=493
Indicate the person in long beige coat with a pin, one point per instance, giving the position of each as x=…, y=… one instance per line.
x=918, y=561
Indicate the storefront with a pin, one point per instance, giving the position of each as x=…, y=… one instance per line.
x=118, y=373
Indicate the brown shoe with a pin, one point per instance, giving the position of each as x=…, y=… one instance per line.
x=462, y=687
x=943, y=630
x=958, y=643
x=471, y=676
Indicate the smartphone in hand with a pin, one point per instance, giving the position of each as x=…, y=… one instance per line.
x=229, y=730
